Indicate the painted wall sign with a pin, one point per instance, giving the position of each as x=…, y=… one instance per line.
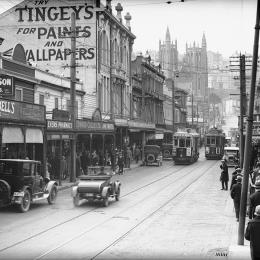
x=20, y=111
x=6, y=85
x=94, y=126
x=43, y=27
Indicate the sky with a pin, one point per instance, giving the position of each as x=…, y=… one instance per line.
x=228, y=24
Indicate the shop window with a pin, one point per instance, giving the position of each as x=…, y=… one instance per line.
x=41, y=99
x=56, y=103
x=18, y=95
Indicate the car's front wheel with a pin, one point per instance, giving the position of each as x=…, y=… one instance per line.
x=105, y=200
x=26, y=202
x=53, y=195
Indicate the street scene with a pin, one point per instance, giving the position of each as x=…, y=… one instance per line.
x=129, y=129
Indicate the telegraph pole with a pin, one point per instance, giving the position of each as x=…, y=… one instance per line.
x=72, y=96
x=249, y=127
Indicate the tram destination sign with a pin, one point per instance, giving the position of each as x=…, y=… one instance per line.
x=6, y=85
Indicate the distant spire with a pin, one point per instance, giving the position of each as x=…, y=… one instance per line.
x=168, y=36
x=204, y=42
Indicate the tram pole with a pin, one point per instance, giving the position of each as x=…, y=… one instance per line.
x=249, y=126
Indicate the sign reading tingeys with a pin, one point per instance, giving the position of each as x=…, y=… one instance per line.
x=47, y=22
x=6, y=85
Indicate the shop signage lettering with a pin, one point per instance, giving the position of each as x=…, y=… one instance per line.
x=39, y=20
x=94, y=126
x=59, y=124
x=7, y=107
x=53, y=13
x=6, y=85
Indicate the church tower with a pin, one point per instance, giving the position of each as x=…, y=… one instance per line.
x=168, y=55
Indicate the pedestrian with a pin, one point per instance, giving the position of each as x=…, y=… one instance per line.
x=78, y=165
x=253, y=235
x=254, y=200
x=120, y=163
x=235, y=174
x=83, y=160
x=224, y=178
x=128, y=157
x=235, y=194
x=63, y=168
x=137, y=154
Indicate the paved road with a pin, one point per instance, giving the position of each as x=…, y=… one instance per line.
x=176, y=212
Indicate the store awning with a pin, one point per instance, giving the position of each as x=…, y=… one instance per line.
x=12, y=135
x=34, y=136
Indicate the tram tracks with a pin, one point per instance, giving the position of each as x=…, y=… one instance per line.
x=178, y=176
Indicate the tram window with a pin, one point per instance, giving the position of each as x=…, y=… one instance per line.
x=217, y=141
x=208, y=140
x=175, y=142
x=188, y=142
x=181, y=142
x=213, y=140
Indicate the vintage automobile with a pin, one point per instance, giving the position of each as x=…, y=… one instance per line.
x=152, y=155
x=22, y=184
x=167, y=151
x=231, y=154
x=97, y=185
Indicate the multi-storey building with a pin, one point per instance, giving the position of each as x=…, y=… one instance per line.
x=147, y=106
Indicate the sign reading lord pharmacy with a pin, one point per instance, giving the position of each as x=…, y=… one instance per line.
x=43, y=27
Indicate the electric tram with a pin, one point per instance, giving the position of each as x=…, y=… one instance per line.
x=186, y=143
x=214, y=144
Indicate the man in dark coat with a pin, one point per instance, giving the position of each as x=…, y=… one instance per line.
x=235, y=174
x=236, y=195
x=254, y=200
x=224, y=178
x=253, y=235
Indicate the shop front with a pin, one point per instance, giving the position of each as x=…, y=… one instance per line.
x=22, y=128
x=95, y=143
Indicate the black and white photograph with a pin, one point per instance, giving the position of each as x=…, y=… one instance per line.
x=129, y=129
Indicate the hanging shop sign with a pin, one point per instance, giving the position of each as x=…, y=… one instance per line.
x=6, y=85
x=20, y=111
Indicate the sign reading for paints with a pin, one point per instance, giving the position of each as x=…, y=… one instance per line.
x=43, y=27
x=6, y=85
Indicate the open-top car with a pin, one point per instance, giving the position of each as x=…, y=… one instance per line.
x=98, y=185
x=22, y=184
x=152, y=155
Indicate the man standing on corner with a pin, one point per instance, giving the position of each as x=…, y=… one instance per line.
x=253, y=235
x=224, y=178
x=235, y=194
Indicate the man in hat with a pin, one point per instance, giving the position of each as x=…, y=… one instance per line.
x=224, y=175
x=254, y=200
x=253, y=235
x=236, y=195
x=235, y=174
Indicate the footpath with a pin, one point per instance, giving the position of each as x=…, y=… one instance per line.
x=230, y=249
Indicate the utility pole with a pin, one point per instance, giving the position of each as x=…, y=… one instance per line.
x=173, y=107
x=249, y=127
x=72, y=95
x=242, y=108
x=192, y=110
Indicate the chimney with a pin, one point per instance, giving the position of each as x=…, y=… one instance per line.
x=108, y=5
x=119, y=9
x=128, y=18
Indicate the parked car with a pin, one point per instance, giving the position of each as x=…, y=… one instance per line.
x=152, y=155
x=231, y=154
x=22, y=184
x=98, y=185
x=167, y=151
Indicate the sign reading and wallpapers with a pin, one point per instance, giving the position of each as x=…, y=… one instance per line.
x=6, y=85
x=19, y=111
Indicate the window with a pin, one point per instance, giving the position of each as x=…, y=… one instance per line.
x=56, y=103
x=41, y=99
x=213, y=140
x=18, y=95
x=188, y=141
x=181, y=142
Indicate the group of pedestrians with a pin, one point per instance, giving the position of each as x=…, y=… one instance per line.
x=252, y=232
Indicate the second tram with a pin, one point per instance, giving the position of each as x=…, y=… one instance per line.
x=214, y=144
x=186, y=143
